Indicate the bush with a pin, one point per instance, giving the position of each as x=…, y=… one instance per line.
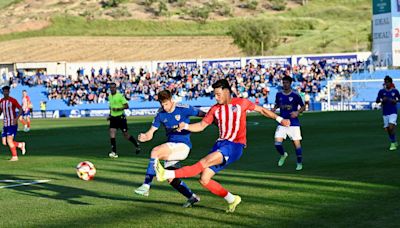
x=226, y=11
x=162, y=8
x=251, y=4
x=118, y=13
x=200, y=13
x=252, y=35
x=278, y=5
x=110, y=3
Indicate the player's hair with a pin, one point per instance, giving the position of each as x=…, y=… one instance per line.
x=288, y=79
x=113, y=84
x=6, y=88
x=164, y=95
x=388, y=78
x=223, y=84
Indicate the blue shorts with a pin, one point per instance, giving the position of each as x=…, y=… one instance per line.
x=25, y=114
x=230, y=151
x=10, y=130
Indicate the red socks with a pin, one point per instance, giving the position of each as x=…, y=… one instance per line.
x=16, y=144
x=216, y=189
x=189, y=171
x=14, y=151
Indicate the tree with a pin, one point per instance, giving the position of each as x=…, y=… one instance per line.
x=254, y=37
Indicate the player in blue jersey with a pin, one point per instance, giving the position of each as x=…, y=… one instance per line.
x=176, y=148
x=389, y=96
x=289, y=102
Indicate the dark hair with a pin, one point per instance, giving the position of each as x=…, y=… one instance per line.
x=288, y=79
x=24, y=90
x=113, y=84
x=223, y=84
x=164, y=95
x=6, y=88
x=388, y=78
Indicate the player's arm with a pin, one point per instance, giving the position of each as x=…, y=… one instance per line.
x=201, y=113
x=196, y=127
x=19, y=107
x=276, y=106
x=379, y=98
x=144, y=137
x=269, y=114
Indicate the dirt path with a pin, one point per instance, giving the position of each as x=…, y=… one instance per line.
x=116, y=48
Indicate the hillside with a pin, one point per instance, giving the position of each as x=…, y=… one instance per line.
x=318, y=27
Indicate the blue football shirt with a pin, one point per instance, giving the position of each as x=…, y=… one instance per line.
x=388, y=107
x=170, y=121
x=288, y=103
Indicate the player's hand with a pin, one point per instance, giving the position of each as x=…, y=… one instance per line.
x=294, y=114
x=285, y=123
x=181, y=126
x=143, y=137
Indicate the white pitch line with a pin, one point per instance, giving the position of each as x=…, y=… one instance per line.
x=22, y=183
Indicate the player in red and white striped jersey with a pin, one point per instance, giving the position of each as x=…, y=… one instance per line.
x=10, y=119
x=230, y=114
x=26, y=111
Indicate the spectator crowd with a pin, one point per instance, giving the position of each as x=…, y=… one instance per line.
x=252, y=81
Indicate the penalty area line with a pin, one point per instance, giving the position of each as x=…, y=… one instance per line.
x=21, y=183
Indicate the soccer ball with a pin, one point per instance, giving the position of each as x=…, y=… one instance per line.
x=86, y=170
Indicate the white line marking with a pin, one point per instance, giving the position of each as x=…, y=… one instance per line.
x=21, y=183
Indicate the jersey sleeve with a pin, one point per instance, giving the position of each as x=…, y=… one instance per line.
x=248, y=105
x=192, y=111
x=15, y=103
x=209, y=118
x=379, y=97
x=277, y=99
x=300, y=101
x=157, y=121
x=123, y=99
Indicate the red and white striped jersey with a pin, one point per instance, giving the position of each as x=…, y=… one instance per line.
x=26, y=103
x=231, y=119
x=8, y=106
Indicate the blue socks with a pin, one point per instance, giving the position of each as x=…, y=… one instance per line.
x=279, y=148
x=150, y=172
x=181, y=187
x=299, y=154
x=392, y=138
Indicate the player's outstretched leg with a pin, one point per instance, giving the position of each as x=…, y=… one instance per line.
x=216, y=188
x=184, y=172
x=281, y=151
x=144, y=189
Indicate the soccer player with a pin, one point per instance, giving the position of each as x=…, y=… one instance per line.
x=288, y=102
x=230, y=114
x=117, y=119
x=176, y=148
x=389, y=96
x=10, y=125
x=25, y=118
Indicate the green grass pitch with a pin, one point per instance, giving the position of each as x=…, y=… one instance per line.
x=350, y=179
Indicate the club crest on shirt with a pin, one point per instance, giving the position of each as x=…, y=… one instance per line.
x=234, y=108
x=177, y=117
x=290, y=99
